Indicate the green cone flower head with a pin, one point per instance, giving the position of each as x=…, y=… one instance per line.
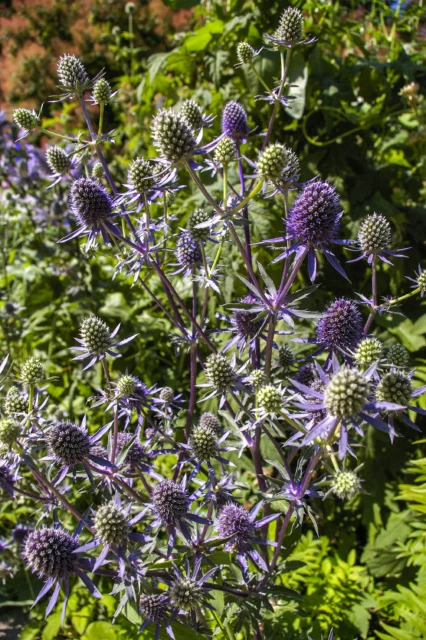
x=198, y=216
x=15, y=402
x=245, y=52
x=345, y=484
x=272, y=162
x=98, y=170
x=398, y=355
x=210, y=421
x=126, y=385
x=219, y=372
x=71, y=72
x=286, y=357
x=185, y=593
x=173, y=137
x=368, y=351
x=421, y=280
x=26, y=119
x=375, y=233
x=203, y=443
x=9, y=431
x=226, y=151
x=346, y=393
x=396, y=387
x=57, y=159
x=258, y=378
x=111, y=525
x=95, y=335
x=270, y=399
x=290, y=26
x=101, y=91
x=167, y=395
x=192, y=114
x=32, y=370
x=141, y=175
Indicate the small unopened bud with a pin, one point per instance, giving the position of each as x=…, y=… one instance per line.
x=102, y=91
x=32, y=370
x=245, y=53
x=26, y=119
x=57, y=159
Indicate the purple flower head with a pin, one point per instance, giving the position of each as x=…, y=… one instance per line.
x=7, y=478
x=244, y=325
x=315, y=216
x=341, y=326
x=188, y=253
x=234, y=121
x=156, y=609
x=20, y=533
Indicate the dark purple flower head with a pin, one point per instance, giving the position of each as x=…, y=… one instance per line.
x=90, y=202
x=7, y=478
x=341, y=326
x=234, y=120
x=233, y=520
x=20, y=533
x=154, y=607
x=69, y=444
x=315, y=215
x=136, y=454
x=188, y=252
x=170, y=501
x=306, y=375
x=50, y=553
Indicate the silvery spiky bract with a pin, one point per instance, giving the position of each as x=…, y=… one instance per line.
x=188, y=252
x=50, y=553
x=290, y=26
x=89, y=201
x=270, y=399
x=15, y=402
x=341, y=325
x=57, y=159
x=225, y=151
x=395, y=387
x=98, y=170
x=95, y=335
x=32, y=370
x=245, y=52
x=71, y=72
x=219, y=372
x=203, y=443
x=68, y=443
x=173, y=137
x=170, y=502
x=210, y=421
x=192, y=114
x=235, y=521
x=277, y=163
x=374, y=233
x=167, y=395
x=198, y=216
x=126, y=384
x=141, y=175
x=101, y=91
x=234, y=121
x=286, y=357
x=26, y=119
x=346, y=393
x=185, y=593
x=398, y=355
x=9, y=431
x=153, y=607
x=111, y=524
x=368, y=351
x=315, y=215
x=345, y=484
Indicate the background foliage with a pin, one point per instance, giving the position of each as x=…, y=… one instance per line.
x=365, y=575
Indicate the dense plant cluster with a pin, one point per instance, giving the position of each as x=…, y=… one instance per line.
x=146, y=495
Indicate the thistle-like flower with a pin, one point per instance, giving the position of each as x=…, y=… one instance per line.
x=9, y=432
x=97, y=341
x=156, y=609
x=340, y=328
x=289, y=32
x=209, y=420
x=32, y=371
x=419, y=281
x=102, y=92
x=199, y=217
x=245, y=53
x=398, y=356
x=26, y=119
x=270, y=400
x=225, y=151
x=98, y=171
x=374, y=238
x=188, y=253
x=395, y=387
x=58, y=160
x=279, y=165
x=173, y=137
x=220, y=372
x=369, y=350
x=234, y=121
x=15, y=402
x=193, y=115
x=345, y=484
x=8, y=477
x=286, y=358
x=73, y=78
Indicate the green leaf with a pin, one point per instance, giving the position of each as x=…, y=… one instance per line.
x=51, y=630
x=98, y=630
x=298, y=80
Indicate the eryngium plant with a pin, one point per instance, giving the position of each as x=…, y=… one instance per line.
x=153, y=492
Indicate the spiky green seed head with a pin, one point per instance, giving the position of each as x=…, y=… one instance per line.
x=141, y=175
x=192, y=114
x=272, y=162
x=226, y=151
x=15, y=402
x=32, y=370
x=219, y=372
x=286, y=357
x=57, y=159
x=395, y=387
x=169, y=197
x=71, y=72
x=185, y=593
x=345, y=484
x=98, y=170
x=270, y=399
x=167, y=395
x=375, y=233
x=173, y=137
x=421, y=280
x=369, y=350
x=126, y=385
x=245, y=52
x=198, y=216
x=210, y=421
x=95, y=335
x=9, y=431
x=258, y=378
x=111, y=525
x=346, y=393
x=203, y=443
x=102, y=91
x=398, y=355
x=290, y=26
x=26, y=119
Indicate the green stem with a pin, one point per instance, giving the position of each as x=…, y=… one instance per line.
x=261, y=80
x=101, y=118
x=58, y=135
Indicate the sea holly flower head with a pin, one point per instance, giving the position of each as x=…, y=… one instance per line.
x=346, y=393
x=270, y=400
x=345, y=484
x=289, y=32
x=199, y=217
x=8, y=477
x=279, y=165
x=234, y=121
x=73, y=78
x=286, y=358
x=156, y=609
x=369, y=350
x=396, y=387
x=187, y=590
x=188, y=253
x=419, y=281
x=173, y=137
x=340, y=328
x=9, y=432
x=210, y=421
x=97, y=341
x=15, y=402
x=374, y=238
x=204, y=446
x=32, y=371
x=398, y=356
x=102, y=91
x=193, y=115
x=26, y=119
x=246, y=54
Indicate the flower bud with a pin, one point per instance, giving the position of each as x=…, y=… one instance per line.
x=57, y=159
x=258, y=378
x=345, y=484
x=98, y=170
x=198, y=216
x=210, y=421
x=398, y=355
x=102, y=91
x=71, y=72
x=235, y=521
x=395, y=387
x=369, y=350
x=185, y=593
x=15, y=402
x=341, y=325
x=375, y=233
x=173, y=138
x=9, y=432
x=192, y=114
x=95, y=335
x=278, y=164
x=286, y=357
x=225, y=151
x=32, y=370
x=290, y=26
x=126, y=385
x=203, y=443
x=111, y=525
x=219, y=372
x=141, y=175
x=26, y=119
x=346, y=393
x=245, y=52
x=234, y=121
x=167, y=395
x=270, y=399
